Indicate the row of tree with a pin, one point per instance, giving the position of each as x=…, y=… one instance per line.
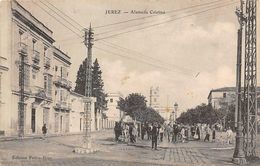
x=207, y=114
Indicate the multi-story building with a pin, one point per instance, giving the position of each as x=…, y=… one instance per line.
x=62, y=86
x=222, y=96
x=24, y=35
x=44, y=77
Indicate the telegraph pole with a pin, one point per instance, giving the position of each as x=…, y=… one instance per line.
x=86, y=148
x=239, y=156
x=250, y=81
x=23, y=53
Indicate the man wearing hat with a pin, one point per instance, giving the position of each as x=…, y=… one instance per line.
x=155, y=133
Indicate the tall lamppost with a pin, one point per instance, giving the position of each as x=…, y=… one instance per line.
x=175, y=111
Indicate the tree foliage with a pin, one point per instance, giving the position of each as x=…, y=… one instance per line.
x=134, y=105
x=201, y=114
x=97, y=84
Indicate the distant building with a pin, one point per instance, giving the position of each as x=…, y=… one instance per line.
x=222, y=96
x=154, y=97
x=113, y=113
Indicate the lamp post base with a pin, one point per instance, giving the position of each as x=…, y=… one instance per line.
x=239, y=161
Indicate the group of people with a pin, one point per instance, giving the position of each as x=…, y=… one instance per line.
x=173, y=133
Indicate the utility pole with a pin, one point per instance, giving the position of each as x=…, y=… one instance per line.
x=250, y=81
x=88, y=94
x=239, y=156
x=23, y=53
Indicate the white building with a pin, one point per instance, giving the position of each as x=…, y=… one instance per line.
x=222, y=96
x=113, y=113
x=47, y=88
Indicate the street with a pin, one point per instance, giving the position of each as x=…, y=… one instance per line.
x=59, y=151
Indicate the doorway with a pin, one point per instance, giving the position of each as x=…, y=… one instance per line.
x=33, y=120
x=61, y=118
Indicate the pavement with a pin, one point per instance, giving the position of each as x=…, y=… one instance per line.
x=58, y=151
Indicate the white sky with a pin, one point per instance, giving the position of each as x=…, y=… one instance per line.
x=204, y=43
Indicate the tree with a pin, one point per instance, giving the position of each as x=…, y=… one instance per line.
x=81, y=79
x=98, y=90
x=201, y=114
x=134, y=105
x=97, y=86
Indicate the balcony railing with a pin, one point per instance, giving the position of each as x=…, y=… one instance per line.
x=36, y=57
x=62, y=82
x=47, y=62
x=22, y=48
x=64, y=105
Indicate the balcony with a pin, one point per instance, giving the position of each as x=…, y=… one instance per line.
x=47, y=62
x=63, y=82
x=22, y=48
x=62, y=105
x=36, y=57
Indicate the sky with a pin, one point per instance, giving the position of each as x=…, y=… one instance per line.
x=183, y=53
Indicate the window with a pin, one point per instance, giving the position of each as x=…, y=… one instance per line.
x=47, y=84
x=34, y=74
x=154, y=99
x=224, y=95
x=20, y=35
x=34, y=43
x=111, y=100
x=45, y=51
x=56, y=68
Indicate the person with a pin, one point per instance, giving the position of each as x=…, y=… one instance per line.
x=143, y=130
x=229, y=135
x=134, y=134
x=117, y=131
x=207, y=134
x=154, y=133
x=44, y=130
x=213, y=134
x=183, y=134
x=161, y=131
x=169, y=131
x=198, y=132
x=149, y=130
x=126, y=133
x=175, y=133
x=131, y=133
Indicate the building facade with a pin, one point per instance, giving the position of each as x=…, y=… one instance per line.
x=154, y=97
x=222, y=96
x=113, y=113
x=47, y=89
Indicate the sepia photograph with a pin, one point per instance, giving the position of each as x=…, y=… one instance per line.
x=129, y=82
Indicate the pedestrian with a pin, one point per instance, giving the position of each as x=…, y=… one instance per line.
x=213, y=134
x=143, y=130
x=154, y=133
x=229, y=133
x=169, y=131
x=207, y=134
x=183, y=134
x=198, y=132
x=117, y=131
x=175, y=133
x=149, y=132
x=161, y=131
x=44, y=130
x=134, y=134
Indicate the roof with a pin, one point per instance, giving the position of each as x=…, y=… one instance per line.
x=229, y=89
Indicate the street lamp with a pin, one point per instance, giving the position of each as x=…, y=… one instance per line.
x=175, y=111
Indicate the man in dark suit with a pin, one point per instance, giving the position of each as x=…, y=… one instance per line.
x=155, y=133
